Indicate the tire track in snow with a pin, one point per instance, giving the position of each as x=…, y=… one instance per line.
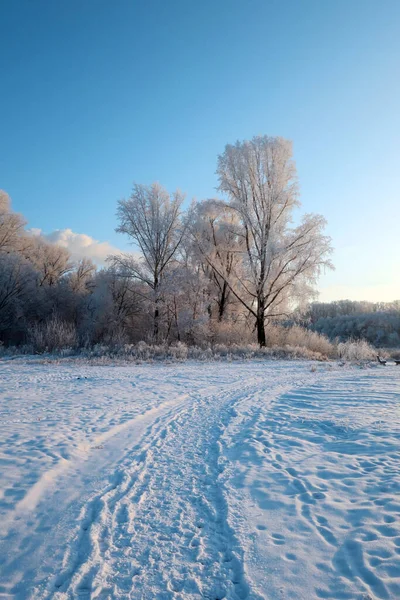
x=161, y=527
x=34, y=494
x=130, y=471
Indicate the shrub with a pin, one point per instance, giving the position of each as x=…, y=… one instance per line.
x=52, y=335
x=300, y=338
x=356, y=350
x=178, y=351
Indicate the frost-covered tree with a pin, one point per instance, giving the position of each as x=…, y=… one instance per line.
x=50, y=260
x=11, y=225
x=218, y=247
x=151, y=217
x=377, y=323
x=81, y=279
x=17, y=286
x=282, y=261
x=113, y=313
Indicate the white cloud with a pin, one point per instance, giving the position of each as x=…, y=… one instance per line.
x=79, y=245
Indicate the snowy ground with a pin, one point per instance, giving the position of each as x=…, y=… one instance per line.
x=275, y=480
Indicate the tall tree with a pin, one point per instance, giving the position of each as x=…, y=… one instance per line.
x=282, y=262
x=151, y=217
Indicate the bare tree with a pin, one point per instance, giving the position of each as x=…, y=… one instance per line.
x=151, y=218
x=214, y=228
x=51, y=261
x=13, y=276
x=282, y=262
x=81, y=279
x=11, y=225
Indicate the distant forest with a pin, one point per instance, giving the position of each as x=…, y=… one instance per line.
x=378, y=323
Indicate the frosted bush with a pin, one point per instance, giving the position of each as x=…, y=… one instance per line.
x=356, y=350
x=143, y=351
x=53, y=335
x=229, y=334
x=301, y=338
x=178, y=351
x=283, y=343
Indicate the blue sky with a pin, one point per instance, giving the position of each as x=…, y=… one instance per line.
x=98, y=94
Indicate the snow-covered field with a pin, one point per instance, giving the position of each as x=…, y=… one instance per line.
x=275, y=480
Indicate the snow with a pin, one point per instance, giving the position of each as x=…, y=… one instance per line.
x=274, y=480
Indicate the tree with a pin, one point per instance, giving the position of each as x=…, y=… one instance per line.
x=214, y=230
x=282, y=262
x=51, y=261
x=81, y=279
x=11, y=225
x=112, y=309
x=151, y=217
x=16, y=277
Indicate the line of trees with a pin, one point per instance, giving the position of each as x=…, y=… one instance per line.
x=220, y=270
x=376, y=322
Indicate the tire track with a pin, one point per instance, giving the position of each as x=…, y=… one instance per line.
x=161, y=526
x=130, y=472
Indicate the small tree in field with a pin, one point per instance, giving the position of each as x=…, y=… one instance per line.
x=281, y=262
x=151, y=218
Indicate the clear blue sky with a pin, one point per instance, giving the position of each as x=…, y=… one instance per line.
x=96, y=94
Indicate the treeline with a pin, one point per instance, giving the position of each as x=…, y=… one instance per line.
x=218, y=271
x=49, y=301
x=377, y=323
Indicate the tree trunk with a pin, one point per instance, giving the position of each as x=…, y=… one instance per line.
x=176, y=320
x=222, y=301
x=156, y=322
x=156, y=309
x=261, y=339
